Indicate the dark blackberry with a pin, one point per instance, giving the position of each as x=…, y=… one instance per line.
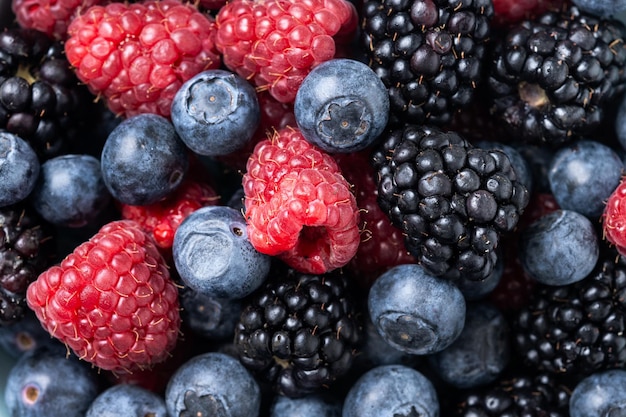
x=551, y=79
x=26, y=250
x=299, y=332
x=429, y=53
x=40, y=97
x=519, y=395
x=576, y=329
x=452, y=200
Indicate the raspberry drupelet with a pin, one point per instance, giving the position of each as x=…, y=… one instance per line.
x=298, y=205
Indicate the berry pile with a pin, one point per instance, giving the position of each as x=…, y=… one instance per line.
x=269, y=208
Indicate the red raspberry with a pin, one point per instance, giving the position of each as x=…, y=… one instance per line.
x=161, y=219
x=298, y=205
x=51, y=17
x=275, y=43
x=507, y=12
x=111, y=300
x=614, y=218
x=382, y=244
x=138, y=55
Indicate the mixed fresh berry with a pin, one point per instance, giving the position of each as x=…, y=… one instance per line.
x=270, y=208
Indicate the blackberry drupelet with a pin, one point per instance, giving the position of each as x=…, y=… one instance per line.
x=517, y=395
x=576, y=329
x=551, y=79
x=40, y=97
x=429, y=54
x=452, y=200
x=26, y=250
x=299, y=331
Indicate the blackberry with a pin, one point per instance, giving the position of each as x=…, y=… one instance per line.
x=40, y=97
x=517, y=395
x=552, y=78
x=576, y=329
x=429, y=54
x=452, y=200
x=26, y=250
x=299, y=332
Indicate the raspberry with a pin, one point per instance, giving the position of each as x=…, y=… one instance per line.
x=138, y=55
x=111, y=300
x=298, y=205
x=382, y=244
x=51, y=17
x=614, y=218
x=161, y=219
x=275, y=43
x=511, y=11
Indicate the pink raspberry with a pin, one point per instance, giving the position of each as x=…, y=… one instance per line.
x=298, y=205
x=138, y=55
x=614, y=218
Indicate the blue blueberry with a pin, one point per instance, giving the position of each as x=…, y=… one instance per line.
x=25, y=336
x=129, y=401
x=70, y=190
x=143, y=160
x=342, y=106
x=391, y=391
x=210, y=317
x=583, y=175
x=46, y=383
x=313, y=405
x=214, y=257
x=376, y=351
x=518, y=161
x=414, y=311
x=602, y=8
x=601, y=394
x=19, y=169
x=539, y=159
x=216, y=112
x=481, y=352
x=213, y=384
x=559, y=248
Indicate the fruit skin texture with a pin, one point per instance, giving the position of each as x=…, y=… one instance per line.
x=311, y=405
x=559, y=248
x=19, y=169
x=138, y=55
x=215, y=112
x=127, y=400
x=45, y=383
x=275, y=43
x=391, y=390
x=143, y=160
x=70, y=190
x=600, y=394
x=111, y=300
x=416, y=312
x=342, y=106
x=614, y=218
x=213, y=384
x=214, y=257
x=51, y=17
x=298, y=205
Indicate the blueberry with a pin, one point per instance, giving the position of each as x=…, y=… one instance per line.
x=480, y=353
x=600, y=394
x=214, y=257
x=414, y=311
x=583, y=175
x=216, y=112
x=27, y=335
x=70, y=190
x=128, y=401
x=391, y=391
x=559, y=248
x=143, y=160
x=376, y=351
x=210, y=317
x=213, y=384
x=19, y=169
x=602, y=8
x=308, y=406
x=342, y=106
x=46, y=383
